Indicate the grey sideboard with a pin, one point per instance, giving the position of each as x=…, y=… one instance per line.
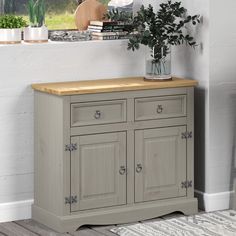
x=113, y=151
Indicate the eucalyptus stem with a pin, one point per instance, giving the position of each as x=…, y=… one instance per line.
x=165, y=27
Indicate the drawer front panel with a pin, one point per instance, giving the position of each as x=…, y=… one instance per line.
x=160, y=107
x=93, y=113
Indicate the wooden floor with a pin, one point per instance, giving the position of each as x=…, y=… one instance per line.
x=32, y=228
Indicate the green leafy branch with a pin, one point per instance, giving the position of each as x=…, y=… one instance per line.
x=165, y=27
x=116, y=15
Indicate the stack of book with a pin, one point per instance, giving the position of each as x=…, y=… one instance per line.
x=105, y=30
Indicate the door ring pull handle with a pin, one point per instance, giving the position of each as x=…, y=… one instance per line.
x=97, y=115
x=139, y=168
x=122, y=170
x=159, y=109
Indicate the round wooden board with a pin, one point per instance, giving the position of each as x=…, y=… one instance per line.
x=87, y=11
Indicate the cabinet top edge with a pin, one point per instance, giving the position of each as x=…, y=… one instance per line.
x=109, y=85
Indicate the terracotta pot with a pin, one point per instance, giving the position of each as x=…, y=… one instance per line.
x=36, y=34
x=10, y=36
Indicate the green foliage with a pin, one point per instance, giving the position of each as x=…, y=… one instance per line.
x=36, y=10
x=61, y=6
x=52, y=6
x=62, y=21
x=165, y=27
x=116, y=15
x=11, y=22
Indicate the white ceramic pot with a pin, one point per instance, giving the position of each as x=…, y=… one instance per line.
x=10, y=36
x=36, y=34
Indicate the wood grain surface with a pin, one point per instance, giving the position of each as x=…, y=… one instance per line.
x=109, y=85
x=87, y=11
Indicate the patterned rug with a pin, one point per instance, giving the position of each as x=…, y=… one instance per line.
x=221, y=223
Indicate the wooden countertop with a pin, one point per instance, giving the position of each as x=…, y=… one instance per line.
x=109, y=85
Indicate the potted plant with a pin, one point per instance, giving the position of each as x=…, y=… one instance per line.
x=159, y=31
x=36, y=32
x=11, y=29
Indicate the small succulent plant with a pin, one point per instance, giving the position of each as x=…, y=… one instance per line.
x=36, y=10
x=11, y=22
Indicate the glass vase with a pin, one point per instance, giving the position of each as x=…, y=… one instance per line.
x=158, y=64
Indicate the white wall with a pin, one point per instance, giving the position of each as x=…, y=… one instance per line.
x=194, y=64
x=22, y=65
x=213, y=65
x=222, y=98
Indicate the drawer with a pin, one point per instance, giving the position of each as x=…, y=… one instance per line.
x=102, y=112
x=160, y=107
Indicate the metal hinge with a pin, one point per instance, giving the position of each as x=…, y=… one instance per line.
x=187, y=134
x=71, y=147
x=71, y=200
x=187, y=184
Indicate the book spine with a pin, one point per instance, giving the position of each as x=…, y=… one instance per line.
x=99, y=31
x=115, y=28
x=109, y=33
x=103, y=23
x=108, y=23
x=111, y=37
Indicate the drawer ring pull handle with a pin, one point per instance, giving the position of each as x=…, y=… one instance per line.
x=97, y=115
x=159, y=109
x=139, y=168
x=122, y=170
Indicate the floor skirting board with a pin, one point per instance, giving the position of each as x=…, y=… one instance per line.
x=12, y=211
x=21, y=210
x=214, y=201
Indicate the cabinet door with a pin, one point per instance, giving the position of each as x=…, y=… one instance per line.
x=160, y=163
x=98, y=171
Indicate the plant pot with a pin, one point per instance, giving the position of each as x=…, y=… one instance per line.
x=36, y=34
x=158, y=64
x=10, y=36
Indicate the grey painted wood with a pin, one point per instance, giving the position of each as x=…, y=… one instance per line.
x=98, y=171
x=160, y=162
x=128, y=94
x=130, y=152
x=91, y=113
x=30, y=226
x=49, y=152
x=160, y=107
x=116, y=215
x=190, y=142
x=38, y=228
x=65, y=172
x=131, y=125
x=13, y=229
x=92, y=171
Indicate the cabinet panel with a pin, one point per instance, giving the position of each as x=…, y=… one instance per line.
x=98, y=170
x=160, y=162
x=160, y=107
